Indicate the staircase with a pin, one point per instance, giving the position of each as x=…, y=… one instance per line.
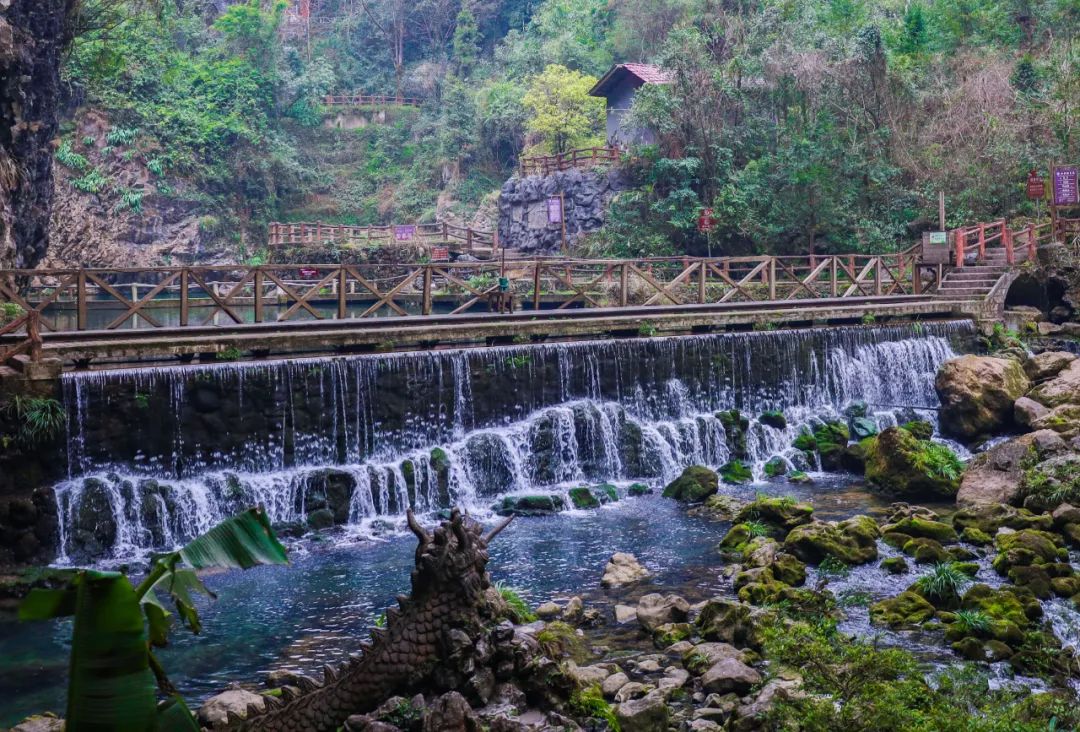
x=975, y=281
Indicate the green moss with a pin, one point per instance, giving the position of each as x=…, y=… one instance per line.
x=773, y=418
x=899, y=463
x=915, y=526
x=439, y=459
x=775, y=467
x=520, y=611
x=920, y=429
x=736, y=472
x=695, y=484
x=805, y=441
x=589, y=703
x=798, y=476
x=974, y=535
x=558, y=640
x=669, y=634
x=908, y=609
x=638, y=489
x=583, y=498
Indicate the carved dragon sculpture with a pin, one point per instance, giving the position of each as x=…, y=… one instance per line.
x=448, y=585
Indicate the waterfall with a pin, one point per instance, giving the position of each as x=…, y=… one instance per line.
x=158, y=455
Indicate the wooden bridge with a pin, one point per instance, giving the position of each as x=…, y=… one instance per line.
x=85, y=316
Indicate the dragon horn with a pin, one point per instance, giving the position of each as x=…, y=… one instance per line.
x=416, y=528
x=458, y=525
x=495, y=532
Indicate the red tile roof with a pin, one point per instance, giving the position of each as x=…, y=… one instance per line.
x=646, y=73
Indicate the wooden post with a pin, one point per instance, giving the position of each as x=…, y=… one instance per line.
x=342, y=303
x=33, y=333
x=1032, y=248
x=1007, y=237
x=426, y=307
x=961, y=244
x=916, y=276
x=80, y=301
x=772, y=278
x=877, y=276
x=701, y=283
x=258, y=292
x=941, y=210
x=624, y=280
x=536, y=286
x=833, y=283
x=562, y=218
x=184, y=297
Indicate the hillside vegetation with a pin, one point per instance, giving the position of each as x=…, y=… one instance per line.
x=829, y=124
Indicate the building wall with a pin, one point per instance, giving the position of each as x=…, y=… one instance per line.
x=619, y=102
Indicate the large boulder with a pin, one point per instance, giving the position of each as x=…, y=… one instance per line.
x=215, y=711
x=853, y=541
x=995, y=476
x=1047, y=365
x=903, y=465
x=623, y=569
x=907, y=609
x=695, y=484
x=654, y=610
x=1062, y=389
x=729, y=675
x=1052, y=482
x=977, y=395
x=779, y=514
x=647, y=714
x=1027, y=411
x=1063, y=419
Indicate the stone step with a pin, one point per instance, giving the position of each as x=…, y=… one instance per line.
x=962, y=292
x=972, y=277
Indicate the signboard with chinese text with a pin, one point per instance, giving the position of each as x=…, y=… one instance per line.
x=309, y=272
x=935, y=247
x=706, y=221
x=404, y=233
x=554, y=210
x=1066, y=192
x=440, y=254
x=1036, y=186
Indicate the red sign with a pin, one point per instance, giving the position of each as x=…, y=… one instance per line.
x=440, y=254
x=705, y=221
x=1036, y=186
x=1066, y=191
x=554, y=209
x=309, y=272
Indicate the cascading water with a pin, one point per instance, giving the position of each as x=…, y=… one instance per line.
x=158, y=455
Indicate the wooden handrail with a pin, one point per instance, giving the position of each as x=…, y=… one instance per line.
x=588, y=157
x=308, y=233
x=369, y=100
x=30, y=345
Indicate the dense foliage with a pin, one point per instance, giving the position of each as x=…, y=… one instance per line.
x=827, y=125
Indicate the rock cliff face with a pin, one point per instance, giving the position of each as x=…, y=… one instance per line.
x=523, y=208
x=33, y=37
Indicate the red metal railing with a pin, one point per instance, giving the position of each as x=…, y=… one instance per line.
x=584, y=158
x=369, y=100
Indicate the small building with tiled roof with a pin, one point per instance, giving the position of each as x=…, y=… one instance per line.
x=619, y=86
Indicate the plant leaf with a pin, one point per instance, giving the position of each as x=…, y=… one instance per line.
x=242, y=542
x=158, y=620
x=42, y=604
x=180, y=584
x=174, y=716
x=110, y=685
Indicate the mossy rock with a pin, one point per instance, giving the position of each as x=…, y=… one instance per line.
x=969, y=568
x=900, y=464
x=735, y=427
x=856, y=409
x=530, y=505
x=695, y=484
x=976, y=536
x=321, y=519
x=1034, y=578
x=776, y=467
x=926, y=551
x=919, y=428
x=895, y=539
x=915, y=526
x=721, y=506
x=606, y=493
x=736, y=472
x=799, y=477
x=906, y=610
x=863, y=427
x=895, y=565
x=805, y=441
x=961, y=553
x=852, y=542
x=669, y=634
x=736, y=538
x=789, y=570
x=779, y=512
x=1026, y=547
x=636, y=490
x=583, y=498
x=970, y=648
x=439, y=459
x=774, y=419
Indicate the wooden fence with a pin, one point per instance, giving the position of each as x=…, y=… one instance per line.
x=442, y=233
x=29, y=326
x=1019, y=242
x=369, y=100
x=238, y=294
x=584, y=158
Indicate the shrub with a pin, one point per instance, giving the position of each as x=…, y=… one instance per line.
x=518, y=607
x=71, y=159
x=40, y=418
x=590, y=704
x=559, y=639
x=832, y=567
x=756, y=529
x=93, y=182
x=10, y=311
x=972, y=622
x=130, y=199
x=646, y=330
x=121, y=136
x=943, y=582
x=939, y=461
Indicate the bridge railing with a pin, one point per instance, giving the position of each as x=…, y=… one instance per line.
x=106, y=299
x=1019, y=241
x=584, y=158
x=26, y=330
x=441, y=233
x=369, y=100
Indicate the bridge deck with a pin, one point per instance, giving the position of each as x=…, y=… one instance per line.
x=261, y=340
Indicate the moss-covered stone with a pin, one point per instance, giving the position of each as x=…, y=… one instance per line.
x=805, y=441
x=903, y=611
x=781, y=513
x=863, y=427
x=1007, y=613
x=736, y=472
x=977, y=394
x=1033, y=577
x=773, y=418
x=920, y=429
x=899, y=463
x=960, y=553
x=1025, y=548
x=583, y=498
x=789, y=570
x=776, y=467
x=669, y=634
x=974, y=535
x=736, y=539
x=1066, y=586
x=530, y=505
x=853, y=541
x=895, y=565
x=637, y=490
x=895, y=539
x=735, y=427
x=916, y=526
x=832, y=439
x=926, y=551
x=798, y=476
x=606, y=493
x=695, y=484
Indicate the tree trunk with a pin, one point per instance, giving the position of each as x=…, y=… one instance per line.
x=34, y=35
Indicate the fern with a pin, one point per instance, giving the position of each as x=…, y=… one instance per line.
x=121, y=136
x=93, y=182
x=71, y=159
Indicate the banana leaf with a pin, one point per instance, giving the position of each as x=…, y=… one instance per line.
x=242, y=542
x=110, y=686
x=174, y=716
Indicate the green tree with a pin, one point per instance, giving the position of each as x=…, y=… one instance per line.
x=913, y=41
x=467, y=40
x=562, y=114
